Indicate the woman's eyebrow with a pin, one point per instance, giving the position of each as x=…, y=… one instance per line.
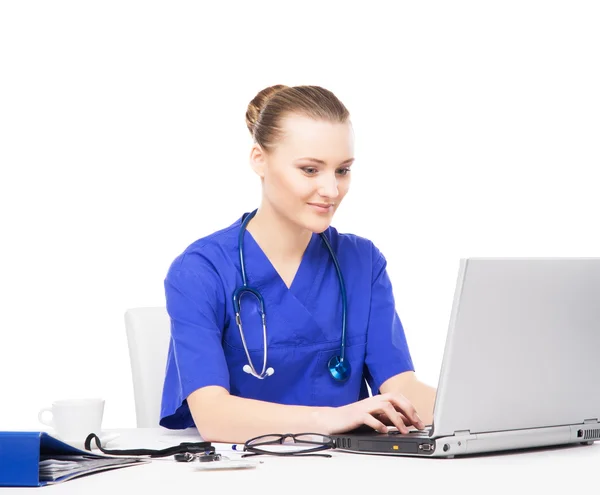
x=321, y=162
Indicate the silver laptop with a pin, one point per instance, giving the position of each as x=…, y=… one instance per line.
x=521, y=365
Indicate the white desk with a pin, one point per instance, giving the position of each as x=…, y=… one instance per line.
x=568, y=469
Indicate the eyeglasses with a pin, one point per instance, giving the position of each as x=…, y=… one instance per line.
x=300, y=444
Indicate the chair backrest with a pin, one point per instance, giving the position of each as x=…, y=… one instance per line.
x=148, y=335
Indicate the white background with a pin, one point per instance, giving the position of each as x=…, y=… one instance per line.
x=122, y=140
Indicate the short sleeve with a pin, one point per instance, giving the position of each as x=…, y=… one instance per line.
x=387, y=349
x=196, y=307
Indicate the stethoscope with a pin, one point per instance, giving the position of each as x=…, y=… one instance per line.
x=337, y=365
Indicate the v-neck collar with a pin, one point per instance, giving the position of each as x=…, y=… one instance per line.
x=258, y=276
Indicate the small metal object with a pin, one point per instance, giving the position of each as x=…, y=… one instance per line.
x=185, y=457
x=207, y=456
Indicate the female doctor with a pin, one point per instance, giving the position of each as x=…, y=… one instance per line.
x=278, y=321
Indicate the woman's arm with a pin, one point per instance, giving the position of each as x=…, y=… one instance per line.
x=221, y=417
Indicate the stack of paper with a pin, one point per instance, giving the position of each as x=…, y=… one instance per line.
x=60, y=467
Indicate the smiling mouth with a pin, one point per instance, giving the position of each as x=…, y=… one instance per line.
x=321, y=205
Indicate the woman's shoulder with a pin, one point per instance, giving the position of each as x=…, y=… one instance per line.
x=355, y=248
x=357, y=244
x=207, y=252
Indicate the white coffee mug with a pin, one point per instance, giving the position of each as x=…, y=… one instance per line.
x=74, y=419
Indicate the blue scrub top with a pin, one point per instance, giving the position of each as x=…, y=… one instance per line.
x=304, y=324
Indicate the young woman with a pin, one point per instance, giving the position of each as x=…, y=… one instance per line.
x=278, y=321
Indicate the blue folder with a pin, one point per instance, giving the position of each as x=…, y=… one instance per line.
x=21, y=451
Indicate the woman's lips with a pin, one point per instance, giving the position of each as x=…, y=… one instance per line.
x=321, y=207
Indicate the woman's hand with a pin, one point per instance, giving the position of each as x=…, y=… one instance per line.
x=378, y=411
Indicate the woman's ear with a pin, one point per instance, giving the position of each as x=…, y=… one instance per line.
x=258, y=160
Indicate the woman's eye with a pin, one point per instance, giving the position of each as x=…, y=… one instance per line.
x=313, y=171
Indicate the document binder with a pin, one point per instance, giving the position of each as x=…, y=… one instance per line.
x=22, y=454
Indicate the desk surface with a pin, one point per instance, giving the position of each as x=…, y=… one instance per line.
x=562, y=468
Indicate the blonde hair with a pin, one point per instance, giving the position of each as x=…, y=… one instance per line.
x=267, y=109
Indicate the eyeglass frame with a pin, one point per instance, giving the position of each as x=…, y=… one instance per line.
x=320, y=446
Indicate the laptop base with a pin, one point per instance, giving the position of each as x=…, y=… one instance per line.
x=465, y=443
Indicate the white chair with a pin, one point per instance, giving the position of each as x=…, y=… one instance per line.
x=148, y=335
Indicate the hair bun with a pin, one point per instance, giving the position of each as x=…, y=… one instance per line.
x=258, y=103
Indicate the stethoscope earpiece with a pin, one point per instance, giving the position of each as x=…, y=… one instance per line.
x=248, y=369
x=339, y=368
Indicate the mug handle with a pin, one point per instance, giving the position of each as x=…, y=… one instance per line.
x=41, y=417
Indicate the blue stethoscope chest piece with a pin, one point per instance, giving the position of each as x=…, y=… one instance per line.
x=339, y=369
x=338, y=366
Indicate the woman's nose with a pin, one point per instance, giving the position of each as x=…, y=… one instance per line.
x=329, y=187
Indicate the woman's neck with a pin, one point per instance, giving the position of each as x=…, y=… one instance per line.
x=280, y=239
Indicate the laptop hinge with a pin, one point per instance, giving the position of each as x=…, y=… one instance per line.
x=462, y=432
x=590, y=421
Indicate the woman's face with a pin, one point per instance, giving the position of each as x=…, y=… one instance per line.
x=307, y=173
